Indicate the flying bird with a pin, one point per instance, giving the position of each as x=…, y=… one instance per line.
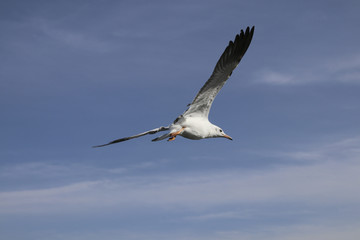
x=194, y=123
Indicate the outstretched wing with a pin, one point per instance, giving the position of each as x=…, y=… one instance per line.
x=135, y=136
x=227, y=63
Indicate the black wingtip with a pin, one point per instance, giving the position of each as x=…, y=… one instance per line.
x=252, y=29
x=97, y=146
x=106, y=144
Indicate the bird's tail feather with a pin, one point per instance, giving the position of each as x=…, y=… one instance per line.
x=162, y=137
x=136, y=136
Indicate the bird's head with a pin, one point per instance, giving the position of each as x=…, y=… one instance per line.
x=218, y=132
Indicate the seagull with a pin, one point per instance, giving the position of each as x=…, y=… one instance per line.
x=194, y=122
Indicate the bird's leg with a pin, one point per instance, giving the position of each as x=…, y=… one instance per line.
x=171, y=139
x=173, y=135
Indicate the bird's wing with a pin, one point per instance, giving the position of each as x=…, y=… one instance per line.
x=227, y=63
x=135, y=136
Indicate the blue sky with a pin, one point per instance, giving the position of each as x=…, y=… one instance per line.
x=74, y=74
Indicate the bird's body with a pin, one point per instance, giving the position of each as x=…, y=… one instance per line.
x=194, y=123
x=193, y=127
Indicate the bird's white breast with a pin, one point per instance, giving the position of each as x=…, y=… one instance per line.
x=196, y=127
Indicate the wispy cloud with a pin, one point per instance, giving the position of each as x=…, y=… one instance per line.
x=326, y=179
x=323, y=182
x=56, y=170
x=275, y=78
x=344, y=69
x=78, y=39
x=347, y=150
x=321, y=231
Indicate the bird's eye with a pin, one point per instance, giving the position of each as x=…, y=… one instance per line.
x=220, y=130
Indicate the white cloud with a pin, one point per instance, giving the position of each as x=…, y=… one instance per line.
x=276, y=78
x=342, y=63
x=323, y=187
x=53, y=170
x=73, y=38
x=315, y=230
x=344, y=69
x=221, y=215
x=347, y=150
x=329, y=183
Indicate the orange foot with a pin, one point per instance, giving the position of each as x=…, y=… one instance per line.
x=173, y=135
x=171, y=139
